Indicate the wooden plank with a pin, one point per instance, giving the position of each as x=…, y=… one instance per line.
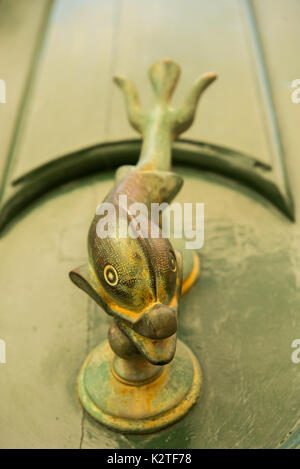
x=35, y=361
x=88, y=42
x=202, y=36
x=279, y=31
x=21, y=28
x=278, y=26
x=70, y=102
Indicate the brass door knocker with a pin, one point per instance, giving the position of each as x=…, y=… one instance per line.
x=143, y=378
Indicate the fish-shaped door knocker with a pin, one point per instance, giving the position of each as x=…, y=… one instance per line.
x=142, y=378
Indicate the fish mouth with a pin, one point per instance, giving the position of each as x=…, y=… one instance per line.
x=159, y=321
x=156, y=351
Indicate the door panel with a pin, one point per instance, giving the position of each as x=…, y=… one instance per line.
x=243, y=314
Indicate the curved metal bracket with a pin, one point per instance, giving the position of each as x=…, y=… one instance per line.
x=108, y=156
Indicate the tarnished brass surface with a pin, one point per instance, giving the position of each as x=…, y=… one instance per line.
x=139, y=280
x=142, y=408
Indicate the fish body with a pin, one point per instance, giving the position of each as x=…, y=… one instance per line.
x=138, y=279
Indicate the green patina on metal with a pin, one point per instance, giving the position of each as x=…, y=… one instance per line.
x=123, y=407
x=139, y=280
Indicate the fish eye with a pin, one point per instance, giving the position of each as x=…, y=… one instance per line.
x=173, y=262
x=111, y=275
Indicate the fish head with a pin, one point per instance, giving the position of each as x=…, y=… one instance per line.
x=138, y=279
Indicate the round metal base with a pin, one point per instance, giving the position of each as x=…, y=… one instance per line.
x=147, y=407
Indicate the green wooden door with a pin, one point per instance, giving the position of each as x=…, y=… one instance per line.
x=57, y=59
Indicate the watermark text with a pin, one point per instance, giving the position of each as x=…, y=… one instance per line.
x=161, y=220
x=2, y=352
x=296, y=353
x=295, y=96
x=2, y=92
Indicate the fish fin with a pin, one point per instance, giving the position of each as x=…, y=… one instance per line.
x=159, y=186
x=183, y=116
x=164, y=75
x=83, y=279
x=135, y=114
x=122, y=172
